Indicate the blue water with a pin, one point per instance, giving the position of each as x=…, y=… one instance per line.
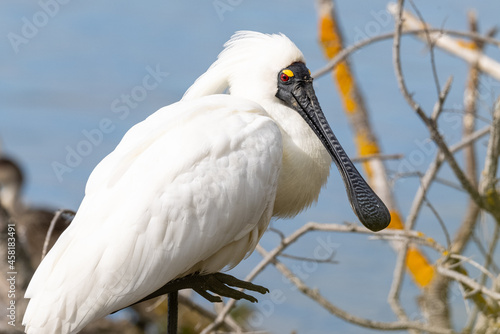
x=73, y=74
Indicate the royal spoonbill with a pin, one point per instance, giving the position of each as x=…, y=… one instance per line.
x=192, y=188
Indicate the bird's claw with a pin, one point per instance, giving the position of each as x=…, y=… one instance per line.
x=222, y=284
x=219, y=283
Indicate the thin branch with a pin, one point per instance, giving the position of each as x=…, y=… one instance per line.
x=422, y=240
x=462, y=259
x=468, y=282
x=431, y=173
x=472, y=57
x=479, y=244
x=315, y=295
x=342, y=55
x=438, y=107
x=309, y=259
x=397, y=282
x=312, y=226
x=431, y=51
x=377, y=157
x=441, y=222
x=491, y=250
x=431, y=126
x=53, y=223
x=278, y=232
x=489, y=181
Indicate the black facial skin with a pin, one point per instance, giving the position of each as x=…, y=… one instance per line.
x=297, y=92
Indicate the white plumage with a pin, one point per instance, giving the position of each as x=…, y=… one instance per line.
x=190, y=189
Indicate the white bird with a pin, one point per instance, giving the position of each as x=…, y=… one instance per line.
x=192, y=188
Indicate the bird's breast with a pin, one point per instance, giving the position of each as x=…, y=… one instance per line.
x=305, y=169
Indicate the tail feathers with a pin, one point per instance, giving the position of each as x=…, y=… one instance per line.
x=53, y=326
x=42, y=318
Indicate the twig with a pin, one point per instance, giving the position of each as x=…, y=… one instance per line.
x=432, y=172
x=488, y=183
x=491, y=250
x=315, y=295
x=420, y=240
x=431, y=125
x=462, y=258
x=468, y=282
x=438, y=107
x=440, y=220
x=397, y=281
x=353, y=48
x=311, y=226
x=377, y=157
x=472, y=57
x=484, y=252
x=308, y=259
x=52, y=225
x=431, y=51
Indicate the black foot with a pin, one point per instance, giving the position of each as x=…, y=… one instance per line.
x=219, y=283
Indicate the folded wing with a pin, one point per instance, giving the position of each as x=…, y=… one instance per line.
x=190, y=189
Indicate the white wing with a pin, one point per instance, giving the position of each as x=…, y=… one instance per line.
x=189, y=189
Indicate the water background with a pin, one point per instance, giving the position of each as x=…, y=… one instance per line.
x=67, y=77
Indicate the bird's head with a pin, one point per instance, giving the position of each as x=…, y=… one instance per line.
x=271, y=70
x=247, y=67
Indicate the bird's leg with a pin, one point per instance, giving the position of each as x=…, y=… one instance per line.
x=173, y=311
x=219, y=283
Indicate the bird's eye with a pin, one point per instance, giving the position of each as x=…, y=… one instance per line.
x=284, y=77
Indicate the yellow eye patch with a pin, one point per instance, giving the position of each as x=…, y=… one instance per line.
x=288, y=72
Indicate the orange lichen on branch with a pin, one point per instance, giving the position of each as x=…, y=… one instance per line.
x=420, y=268
x=332, y=44
x=345, y=84
x=396, y=221
x=330, y=38
x=467, y=44
x=366, y=146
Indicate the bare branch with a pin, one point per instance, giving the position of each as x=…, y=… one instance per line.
x=468, y=281
x=440, y=39
x=312, y=226
x=315, y=295
x=431, y=51
x=462, y=259
x=53, y=223
x=489, y=181
x=438, y=107
x=431, y=173
x=466, y=229
x=397, y=281
x=431, y=125
x=377, y=157
x=353, y=48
